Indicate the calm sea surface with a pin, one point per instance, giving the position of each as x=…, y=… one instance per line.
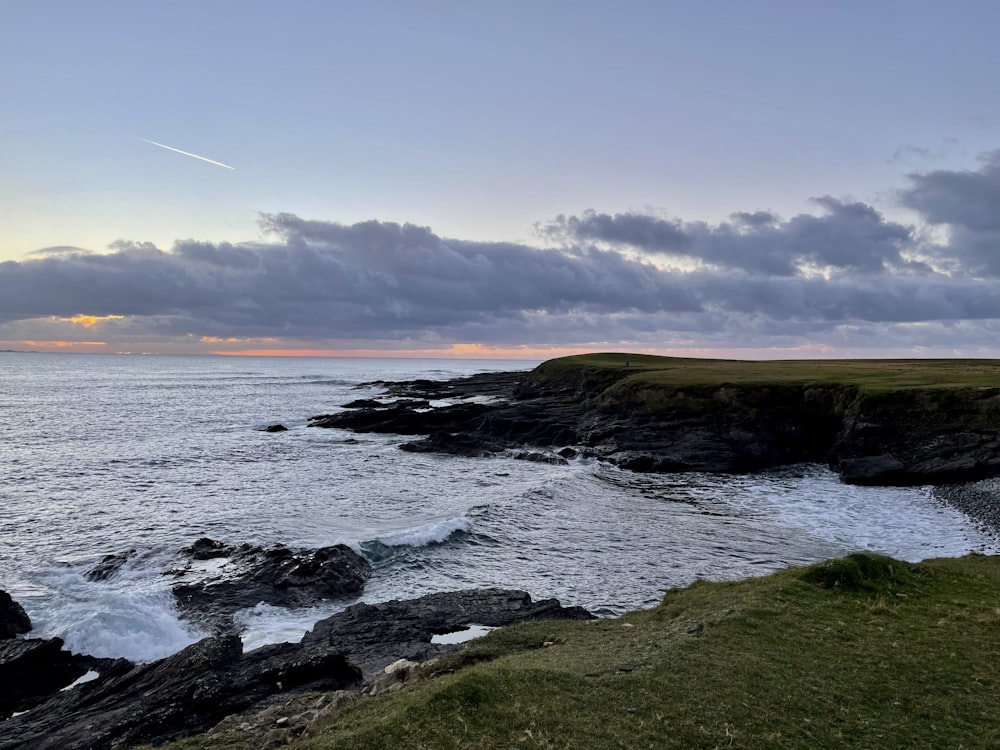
x=102, y=454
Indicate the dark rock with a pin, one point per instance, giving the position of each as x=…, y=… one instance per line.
x=365, y=403
x=497, y=385
x=404, y=418
x=467, y=444
x=33, y=668
x=539, y=458
x=871, y=470
x=933, y=436
x=175, y=697
x=194, y=689
x=109, y=566
x=569, y=453
x=208, y=549
x=13, y=619
x=275, y=428
x=376, y=635
x=938, y=435
x=277, y=576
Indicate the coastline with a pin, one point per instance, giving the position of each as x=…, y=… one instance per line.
x=538, y=417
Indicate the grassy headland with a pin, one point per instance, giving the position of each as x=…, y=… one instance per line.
x=861, y=652
x=917, y=421
x=865, y=374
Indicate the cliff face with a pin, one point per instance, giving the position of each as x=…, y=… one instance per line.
x=711, y=428
x=666, y=420
x=921, y=435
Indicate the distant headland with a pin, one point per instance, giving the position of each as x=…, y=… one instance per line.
x=876, y=422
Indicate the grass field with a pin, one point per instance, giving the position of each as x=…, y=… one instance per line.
x=862, y=652
x=866, y=374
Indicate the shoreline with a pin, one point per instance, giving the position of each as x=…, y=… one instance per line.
x=534, y=417
x=881, y=423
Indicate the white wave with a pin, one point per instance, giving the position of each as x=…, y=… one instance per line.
x=133, y=617
x=904, y=522
x=434, y=532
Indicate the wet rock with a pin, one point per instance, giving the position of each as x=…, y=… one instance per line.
x=32, y=669
x=980, y=500
x=402, y=418
x=208, y=549
x=365, y=403
x=198, y=687
x=539, y=457
x=468, y=444
x=277, y=576
x=181, y=695
x=871, y=470
x=13, y=619
x=376, y=635
x=109, y=566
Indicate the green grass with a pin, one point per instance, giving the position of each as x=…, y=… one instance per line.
x=865, y=374
x=866, y=652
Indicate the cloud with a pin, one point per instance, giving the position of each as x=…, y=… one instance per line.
x=843, y=277
x=962, y=198
x=967, y=202
x=912, y=153
x=58, y=250
x=322, y=279
x=847, y=237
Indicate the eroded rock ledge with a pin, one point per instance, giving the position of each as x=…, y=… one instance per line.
x=194, y=689
x=914, y=435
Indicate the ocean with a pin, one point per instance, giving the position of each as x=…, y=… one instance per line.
x=101, y=454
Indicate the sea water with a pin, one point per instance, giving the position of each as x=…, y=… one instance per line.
x=102, y=454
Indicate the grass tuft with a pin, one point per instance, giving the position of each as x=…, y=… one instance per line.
x=861, y=571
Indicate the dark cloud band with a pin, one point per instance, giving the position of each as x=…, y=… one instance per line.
x=610, y=277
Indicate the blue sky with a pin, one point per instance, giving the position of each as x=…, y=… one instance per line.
x=483, y=122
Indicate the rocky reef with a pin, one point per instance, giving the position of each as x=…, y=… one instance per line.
x=924, y=433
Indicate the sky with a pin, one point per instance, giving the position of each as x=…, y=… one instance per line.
x=770, y=179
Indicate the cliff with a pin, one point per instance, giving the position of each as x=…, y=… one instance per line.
x=874, y=421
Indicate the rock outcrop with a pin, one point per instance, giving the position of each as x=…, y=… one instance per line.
x=277, y=576
x=375, y=635
x=248, y=575
x=913, y=435
x=194, y=689
x=32, y=669
x=175, y=697
x=109, y=566
x=14, y=620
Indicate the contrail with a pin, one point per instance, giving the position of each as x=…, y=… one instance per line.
x=187, y=153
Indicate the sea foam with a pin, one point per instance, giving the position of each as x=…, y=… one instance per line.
x=131, y=618
x=434, y=532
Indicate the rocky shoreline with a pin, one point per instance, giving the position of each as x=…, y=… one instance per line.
x=912, y=436
x=948, y=437
x=52, y=698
